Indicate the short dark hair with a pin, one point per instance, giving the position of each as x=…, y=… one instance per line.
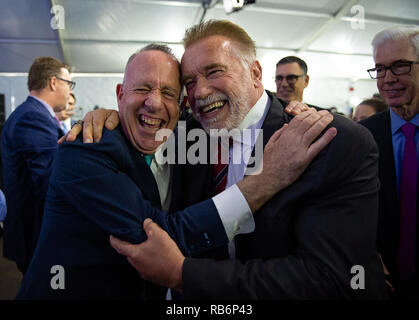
x=43, y=69
x=376, y=104
x=292, y=59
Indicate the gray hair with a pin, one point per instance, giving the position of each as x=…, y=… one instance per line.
x=397, y=32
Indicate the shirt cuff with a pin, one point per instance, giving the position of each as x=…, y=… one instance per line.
x=234, y=212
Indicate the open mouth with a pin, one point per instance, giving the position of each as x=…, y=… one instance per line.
x=150, y=123
x=213, y=107
x=286, y=91
x=395, y=92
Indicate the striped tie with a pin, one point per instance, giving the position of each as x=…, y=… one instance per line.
x=220, y=170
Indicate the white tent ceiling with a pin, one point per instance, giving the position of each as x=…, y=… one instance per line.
x=99, y=35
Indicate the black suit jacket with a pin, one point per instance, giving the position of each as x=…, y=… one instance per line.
x=309, y=236
x=103, y=189
x=388, y=235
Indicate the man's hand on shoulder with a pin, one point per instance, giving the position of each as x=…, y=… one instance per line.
x=93, y=124
x=296, y=107
x=287, y=154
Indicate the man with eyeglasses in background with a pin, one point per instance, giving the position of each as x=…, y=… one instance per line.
x=291, y=79
x=29, y=143
x=396, y=55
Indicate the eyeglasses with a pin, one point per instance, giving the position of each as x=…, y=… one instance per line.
x=71, y=84
x=397, y=68
x=291, y=78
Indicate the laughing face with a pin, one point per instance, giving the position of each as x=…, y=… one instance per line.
x=220, y=87
x=400, y=91
x=148, y=98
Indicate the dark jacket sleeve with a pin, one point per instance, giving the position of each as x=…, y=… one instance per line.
x=91, y=178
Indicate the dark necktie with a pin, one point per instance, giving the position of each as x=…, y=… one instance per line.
x=408, y=195
x=220, y=169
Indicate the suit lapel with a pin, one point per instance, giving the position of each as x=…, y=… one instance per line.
x=142, y=175
x=384, y=141
x=275, y=119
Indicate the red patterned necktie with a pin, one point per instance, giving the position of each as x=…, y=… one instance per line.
x=221, y=169
x=408, y=194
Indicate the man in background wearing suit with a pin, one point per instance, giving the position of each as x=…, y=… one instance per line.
x=291, y=78
x=396, y=56
x=29, y=143
x=308, y=237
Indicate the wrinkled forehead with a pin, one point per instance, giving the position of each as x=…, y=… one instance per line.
x=393, y=50
x=152, y=66
x=215, y=48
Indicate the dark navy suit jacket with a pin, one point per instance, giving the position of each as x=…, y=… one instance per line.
x=29, y=143
x=97, y=190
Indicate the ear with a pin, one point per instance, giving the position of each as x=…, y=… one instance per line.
x=53, y=83
x=119, y=91
x=256, y=73
x=306, y=81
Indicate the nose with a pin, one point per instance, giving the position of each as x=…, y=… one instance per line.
x=153, y=100
x=202, y=88
x=389, y=76
x=283, y=83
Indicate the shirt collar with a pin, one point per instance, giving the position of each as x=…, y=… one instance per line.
x=158, y=155
x=255, y=113
x=159, y=160
x=397, y=122
x=46, y=105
